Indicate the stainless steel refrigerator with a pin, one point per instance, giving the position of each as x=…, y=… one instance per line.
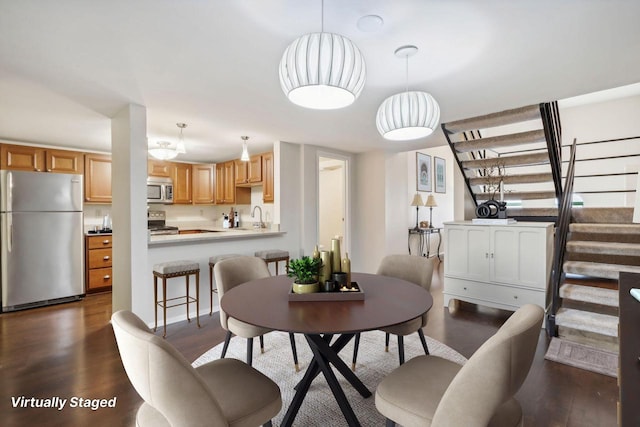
x=41, y=230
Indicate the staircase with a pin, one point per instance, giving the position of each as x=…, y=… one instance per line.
x=513, y=155
x=519, y=150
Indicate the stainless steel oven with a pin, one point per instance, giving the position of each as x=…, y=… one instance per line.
x=159, y=190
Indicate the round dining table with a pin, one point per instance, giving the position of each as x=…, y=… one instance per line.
x=387, y=301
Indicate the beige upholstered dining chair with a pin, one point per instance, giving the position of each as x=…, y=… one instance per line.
x=230, y=273
x=414, y=269
x=432, y=391
x=225, y=392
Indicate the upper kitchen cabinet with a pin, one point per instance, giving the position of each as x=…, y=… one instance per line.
x=37, y=159
x=97, y=178
x=203, y=189
x=182, y=179
x=249, y=173
x=160, y=168
x=267, y=177
x=226, y=191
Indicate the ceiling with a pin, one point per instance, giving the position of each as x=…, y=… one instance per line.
x=66, y=66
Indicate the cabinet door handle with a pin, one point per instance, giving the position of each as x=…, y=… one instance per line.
x=105, y=242
x=48, y=170
x=106, y=258
x=106, y=277
x=515, y=297
x=486, y=254
x=491, y=255
x=465, y=288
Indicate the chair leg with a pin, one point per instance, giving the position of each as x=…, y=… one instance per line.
x=198, y=298
x=386, y=342
x=186, y=281
x=211, y=290
x=261, y=344
x=164, y=305
x=267, y=424
x=390, y=423
x=294, y=351
x=155, y=300
x=249, y=351
x=225, y=347
x=401, y=348
x=356, y=345
x=424, y=341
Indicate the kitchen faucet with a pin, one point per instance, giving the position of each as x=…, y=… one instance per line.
x=257, y=224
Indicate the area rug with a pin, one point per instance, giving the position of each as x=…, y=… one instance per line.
x=319, y=407
x=583, y=356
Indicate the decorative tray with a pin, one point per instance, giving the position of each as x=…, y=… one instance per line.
x=354, y=294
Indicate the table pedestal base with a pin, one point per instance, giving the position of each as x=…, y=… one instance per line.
x=325, y=355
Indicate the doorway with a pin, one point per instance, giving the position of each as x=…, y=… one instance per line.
x=332, y=200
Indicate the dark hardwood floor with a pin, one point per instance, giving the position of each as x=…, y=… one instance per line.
x=69, y=350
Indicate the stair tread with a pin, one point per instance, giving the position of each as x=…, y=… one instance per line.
x=598, y=247
x=519, y=195
x=526, y=178
x=603, y=324
x=595, y=269
x=604, y=228
x=589, y=294
x=506, y=117
x=508, y=161
x=501, y=141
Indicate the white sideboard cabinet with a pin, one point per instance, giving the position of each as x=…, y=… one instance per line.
x=502, y=266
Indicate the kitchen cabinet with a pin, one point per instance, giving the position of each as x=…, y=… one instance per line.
x=98, y=262
x=229, y=189
x=267, y=178
x=242, y=171
x=97, y=178
x=37, y=159
x=502, y=266
x=219, y=184
x=203, y=190
x=160, y=168
x=249, y=173
x=182, y=182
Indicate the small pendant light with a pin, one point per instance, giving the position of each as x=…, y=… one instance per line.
x=245, y=152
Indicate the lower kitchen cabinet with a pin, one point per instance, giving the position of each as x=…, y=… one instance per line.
x=98, y=262
x=502, y=266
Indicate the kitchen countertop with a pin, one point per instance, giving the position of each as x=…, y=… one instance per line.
x=216, y=234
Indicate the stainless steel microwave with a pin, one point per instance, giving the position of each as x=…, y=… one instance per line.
x=159, y=190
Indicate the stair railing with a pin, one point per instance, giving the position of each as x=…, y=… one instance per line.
x=553, y=133
x=448, y=134
x=562, y=231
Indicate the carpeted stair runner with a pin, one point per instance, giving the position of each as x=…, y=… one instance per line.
x=593, y=269
x=596, y=323
x=523, y=114
x=519, y=154
x=589, y=294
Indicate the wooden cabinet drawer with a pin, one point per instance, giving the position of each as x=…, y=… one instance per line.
x=97, y=242
x=99, y=278
x=100, y=258
x=504, y=296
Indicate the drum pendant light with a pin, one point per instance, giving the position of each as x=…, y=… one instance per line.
x=322, y=71
x=410, y=114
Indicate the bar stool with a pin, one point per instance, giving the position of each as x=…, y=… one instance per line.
x=212, y=261
x=169, y=270
x=274, y=255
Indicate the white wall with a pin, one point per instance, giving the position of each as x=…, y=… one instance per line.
x=602, y=121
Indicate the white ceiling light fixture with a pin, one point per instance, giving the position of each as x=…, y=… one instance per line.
x=245, y=152
x=180, y=148
x=323, y=71
x=410, y=114
x=163, y=151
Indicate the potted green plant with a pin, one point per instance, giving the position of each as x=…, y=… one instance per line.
x=305, y=270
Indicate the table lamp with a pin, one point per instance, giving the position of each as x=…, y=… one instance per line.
x=417, y=202
x=431, y=203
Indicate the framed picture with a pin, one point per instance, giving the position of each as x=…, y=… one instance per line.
x=423, y=172
x=440, y=172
